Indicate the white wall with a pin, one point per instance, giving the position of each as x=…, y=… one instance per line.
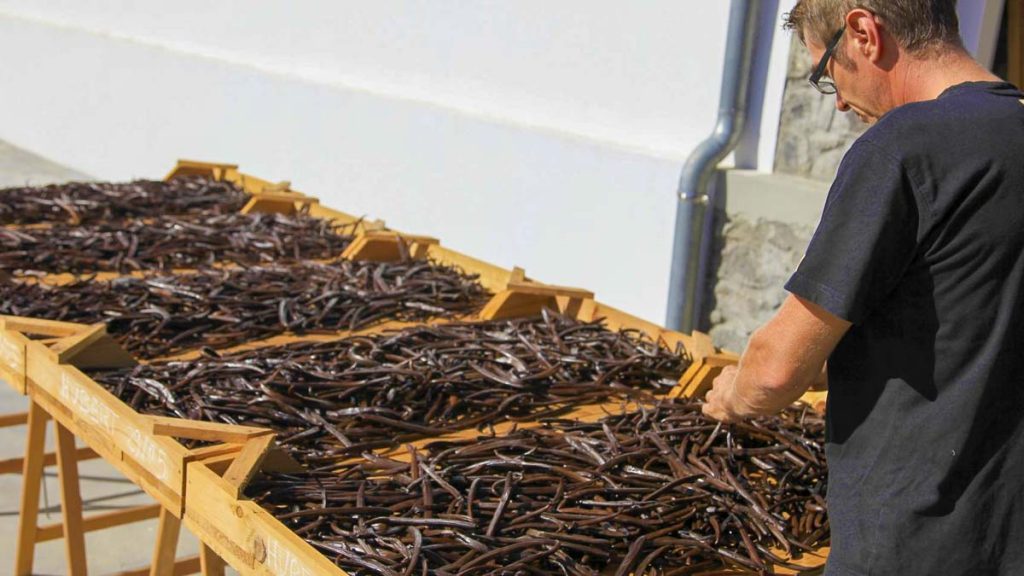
x=548, y=135
x=625, y=73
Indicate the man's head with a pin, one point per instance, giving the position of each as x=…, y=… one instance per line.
x=879, y=39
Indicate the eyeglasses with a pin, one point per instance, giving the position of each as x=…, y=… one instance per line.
x=821, y=82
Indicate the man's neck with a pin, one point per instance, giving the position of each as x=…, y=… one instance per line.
x=924, y=79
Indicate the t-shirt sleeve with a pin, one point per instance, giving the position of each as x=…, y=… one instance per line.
x=867, y=236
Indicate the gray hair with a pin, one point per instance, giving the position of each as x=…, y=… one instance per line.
x=917, y=25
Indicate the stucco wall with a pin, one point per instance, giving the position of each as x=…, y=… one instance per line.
x=547, y=135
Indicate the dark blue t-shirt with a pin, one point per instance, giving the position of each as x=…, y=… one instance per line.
x=921, y=247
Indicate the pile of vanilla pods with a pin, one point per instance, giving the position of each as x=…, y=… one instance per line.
x=168, y=242
x=661, y=490
x=160, y=315
x=90, y=202
x=332, y=399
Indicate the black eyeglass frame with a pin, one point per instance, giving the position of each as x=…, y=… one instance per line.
x=823, y=83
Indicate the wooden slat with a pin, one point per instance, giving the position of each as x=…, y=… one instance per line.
x=32, y=477
x=214, y=451
x=15, y=465
x=70, y=502
x=203, y=431
x=18, y=419
x=102, y=521
x=40, y=327
x=182, y=567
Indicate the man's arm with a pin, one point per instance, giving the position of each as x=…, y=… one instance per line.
x=783, y=358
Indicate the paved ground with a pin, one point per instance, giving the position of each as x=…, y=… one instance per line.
x=103, y=488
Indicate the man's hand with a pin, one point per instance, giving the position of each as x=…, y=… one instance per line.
x=783, y=358
x=722, y=402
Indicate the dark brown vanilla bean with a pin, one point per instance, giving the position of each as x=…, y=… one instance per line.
x=360, y=393
x=160, y=315
x=497, y=502
x=167, y=242
x=89, y=202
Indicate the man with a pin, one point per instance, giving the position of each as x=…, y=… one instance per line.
x=913, y=289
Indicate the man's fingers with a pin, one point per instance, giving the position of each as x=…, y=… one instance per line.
x=714, y=411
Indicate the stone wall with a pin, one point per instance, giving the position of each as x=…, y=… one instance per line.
x=763, y=223
x=752, y=261
x=813, y=135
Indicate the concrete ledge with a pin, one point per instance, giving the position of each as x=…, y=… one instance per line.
x=774, y=197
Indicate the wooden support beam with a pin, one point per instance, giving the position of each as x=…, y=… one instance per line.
x=528, y=298
x=248, y=462
x=182, y=567
x=707, y=369
x=15, y=465
x=102, y=521
x=213, y=170
x=92, y=347
x=166, y=547
x=277, y=203
x=388, y=246
x=70, y=502
x=32, y=477
x=210, y=564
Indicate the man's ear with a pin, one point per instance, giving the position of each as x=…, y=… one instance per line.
x=865, y=34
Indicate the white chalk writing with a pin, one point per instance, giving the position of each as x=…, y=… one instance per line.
x=85, y=405
x=283, y=562
x=147, y=452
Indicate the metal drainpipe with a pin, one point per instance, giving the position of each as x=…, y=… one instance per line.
x=688, y=246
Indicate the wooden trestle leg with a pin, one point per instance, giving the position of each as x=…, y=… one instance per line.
x=210, y=563
x=32, y=477
x=166, y=545
x=70, y=502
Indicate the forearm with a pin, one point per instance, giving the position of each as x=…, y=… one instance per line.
x=782, y=360
x=770, y=376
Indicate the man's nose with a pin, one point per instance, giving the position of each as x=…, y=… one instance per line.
x=841, y=104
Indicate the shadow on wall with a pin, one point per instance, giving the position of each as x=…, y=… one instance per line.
x=813, y=135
